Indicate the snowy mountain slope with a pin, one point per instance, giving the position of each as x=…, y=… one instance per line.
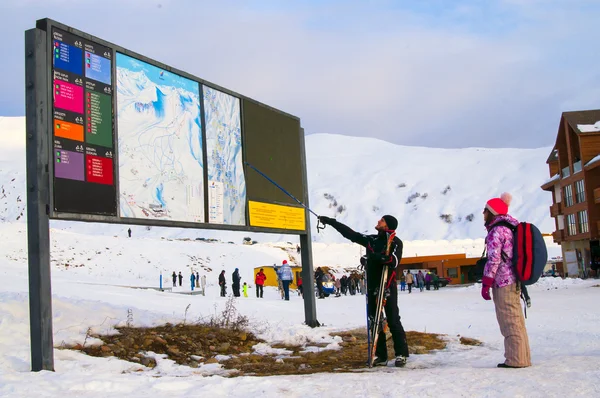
x=359, y=179
x=433, y=192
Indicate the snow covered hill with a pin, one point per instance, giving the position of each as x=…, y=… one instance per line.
x=436, y=194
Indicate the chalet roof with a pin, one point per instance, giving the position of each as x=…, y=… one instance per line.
x=553, y=156
x=581, y=117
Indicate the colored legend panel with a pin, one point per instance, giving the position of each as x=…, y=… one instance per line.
x=97, y=68
x=68, y=57
x=68, y=130
x=99, y=170
x=68, y=96
x=99, y=119
x=69, y=165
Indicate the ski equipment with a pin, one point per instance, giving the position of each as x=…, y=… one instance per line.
x=376, y=324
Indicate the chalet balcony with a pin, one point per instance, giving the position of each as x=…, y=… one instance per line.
x=555, y=209
x=597, y=195
x=558, y=236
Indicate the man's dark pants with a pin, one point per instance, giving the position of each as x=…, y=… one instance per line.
x=393, y=321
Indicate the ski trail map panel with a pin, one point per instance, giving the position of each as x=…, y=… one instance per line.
x=161, y=166
x=226, y=181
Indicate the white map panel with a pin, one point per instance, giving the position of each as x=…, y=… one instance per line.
x=160, y=143
x=227, y=185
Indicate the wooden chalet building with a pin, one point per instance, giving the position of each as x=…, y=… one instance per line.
x=574, y=165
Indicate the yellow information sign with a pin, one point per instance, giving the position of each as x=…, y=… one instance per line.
x=268, y=215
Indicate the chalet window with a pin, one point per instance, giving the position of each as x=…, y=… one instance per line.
x=568, y=195
x=583, y=221
x=577, y=167
x=571, y=224
x=579, y=191
x=566, y=172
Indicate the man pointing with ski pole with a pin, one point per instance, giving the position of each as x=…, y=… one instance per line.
x=383, y=250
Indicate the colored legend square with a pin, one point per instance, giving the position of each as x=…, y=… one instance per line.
x=68, y=130
x=99, y=170
x=68, y=58
x=100, y=128
x=98, y=68
x=69, y=165
x=68, y=97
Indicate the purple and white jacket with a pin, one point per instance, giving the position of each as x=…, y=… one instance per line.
x=500, y=239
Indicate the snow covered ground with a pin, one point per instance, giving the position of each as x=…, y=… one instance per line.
x=96, y=269
x=562, y=325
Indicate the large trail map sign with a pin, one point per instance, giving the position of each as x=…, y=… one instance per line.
x=136, y=141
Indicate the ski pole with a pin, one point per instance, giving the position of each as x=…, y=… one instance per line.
x=287, y=193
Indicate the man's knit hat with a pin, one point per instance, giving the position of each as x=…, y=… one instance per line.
x=391, y=222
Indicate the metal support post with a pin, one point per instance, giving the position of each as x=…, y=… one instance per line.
x=38, y=233
x=308, y=275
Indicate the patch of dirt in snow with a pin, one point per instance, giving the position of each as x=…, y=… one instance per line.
x=239, y=351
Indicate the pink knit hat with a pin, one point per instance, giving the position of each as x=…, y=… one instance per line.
x=499, y=206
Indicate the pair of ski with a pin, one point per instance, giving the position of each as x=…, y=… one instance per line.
x=375, y=322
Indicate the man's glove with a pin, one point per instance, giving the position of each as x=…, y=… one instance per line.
x=485, y=289
x=326, y=220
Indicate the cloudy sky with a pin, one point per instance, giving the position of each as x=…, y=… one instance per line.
x=442, y=73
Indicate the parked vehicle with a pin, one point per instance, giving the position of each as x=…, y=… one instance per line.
x=443, y=281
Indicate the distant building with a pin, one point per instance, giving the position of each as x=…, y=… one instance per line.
x=574, y=165
x=453, y=266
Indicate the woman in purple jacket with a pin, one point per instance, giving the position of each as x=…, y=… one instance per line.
x=500, y=277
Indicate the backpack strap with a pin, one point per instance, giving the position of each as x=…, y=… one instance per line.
x=512, y=229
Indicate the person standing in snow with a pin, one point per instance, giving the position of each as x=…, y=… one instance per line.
x=129, y=232
x=193, y=280
x=279, y=284
x=174, y=279
x=319, y=275
x=410, y=279
x=245, y=289
x=377, y=258
x=222, y=283
x=428, y=281
x=235, y=285
x=259, y=281
x=286, y=276
x=499, y=276
x=420, y=280
x=197, y=279
x=180, y=278
x=402, y=283
x=203, y=284
x=299, y=284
